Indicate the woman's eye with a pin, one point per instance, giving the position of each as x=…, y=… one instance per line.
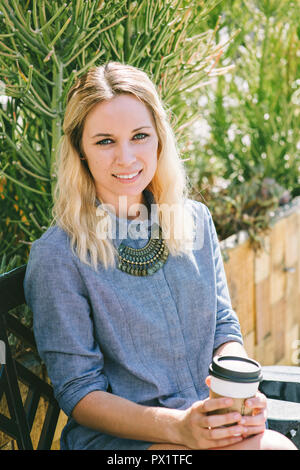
x=104, y=142
x=140, y=136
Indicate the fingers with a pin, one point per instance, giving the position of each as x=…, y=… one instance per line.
x=216, y=434
x=207, y=431
x=218, y=420
x=255, y=420
x=212, y=404
x=210, y=430
x=253, y=424
x=259, y=415
x=259, y=401
x=224, y=442
x=252, y=430
x=208, y=416
x=225, y=435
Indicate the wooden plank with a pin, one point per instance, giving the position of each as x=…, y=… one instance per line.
x=292, y=296
x=292, y=239
x=277, y=243
x=278, y=314
x=262, y=307
x=262, y=261
x=265, y=351
x=249, y=343
x=240, y=277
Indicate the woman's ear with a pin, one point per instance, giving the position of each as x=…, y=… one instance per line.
x=84, y=161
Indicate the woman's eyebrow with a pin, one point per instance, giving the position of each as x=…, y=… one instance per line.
x=109, y=135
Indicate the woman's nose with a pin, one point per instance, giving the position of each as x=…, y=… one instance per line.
x=124, y=155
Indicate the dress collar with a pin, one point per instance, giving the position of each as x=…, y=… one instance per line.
x=124, y=229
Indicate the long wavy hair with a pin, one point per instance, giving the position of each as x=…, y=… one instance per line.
x=75, y=198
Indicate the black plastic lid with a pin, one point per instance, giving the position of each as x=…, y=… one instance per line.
x=221, y=369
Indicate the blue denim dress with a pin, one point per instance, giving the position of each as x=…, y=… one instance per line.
x=148, y=339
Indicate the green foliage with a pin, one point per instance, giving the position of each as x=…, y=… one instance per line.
x=8, y=264
x=252, y=115
x=248, y=207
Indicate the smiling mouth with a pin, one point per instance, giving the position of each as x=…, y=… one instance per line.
x=128, y=177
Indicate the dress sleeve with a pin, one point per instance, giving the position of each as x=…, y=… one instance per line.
x=63, y=325
x=227, y=323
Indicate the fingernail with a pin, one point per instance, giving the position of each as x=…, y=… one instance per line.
x=239, y=431
x=243, y=421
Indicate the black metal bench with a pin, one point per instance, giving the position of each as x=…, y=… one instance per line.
x=18, y=426
x=281, y=384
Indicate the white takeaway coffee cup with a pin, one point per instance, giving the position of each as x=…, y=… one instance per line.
x=234, y=377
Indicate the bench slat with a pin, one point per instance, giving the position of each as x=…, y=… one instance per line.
x=283, y=410
x=281, y=373
x=281, y=382
x=21, y=420
x=21, y=331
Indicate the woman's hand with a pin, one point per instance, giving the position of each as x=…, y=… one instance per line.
x=256, y=423
x=202, y=431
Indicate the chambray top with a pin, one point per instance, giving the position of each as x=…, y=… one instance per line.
x=148, y=339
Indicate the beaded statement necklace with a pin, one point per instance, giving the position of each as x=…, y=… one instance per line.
x=143, y=261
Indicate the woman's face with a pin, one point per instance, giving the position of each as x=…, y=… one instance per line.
x=120, y=145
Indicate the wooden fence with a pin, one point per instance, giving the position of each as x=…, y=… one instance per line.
x=265, y=289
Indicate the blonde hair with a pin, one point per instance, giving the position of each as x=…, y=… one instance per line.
x=74, y=207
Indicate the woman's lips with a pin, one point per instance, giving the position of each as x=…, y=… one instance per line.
x=128, y=180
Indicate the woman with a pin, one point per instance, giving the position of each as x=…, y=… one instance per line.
x=127, y=286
